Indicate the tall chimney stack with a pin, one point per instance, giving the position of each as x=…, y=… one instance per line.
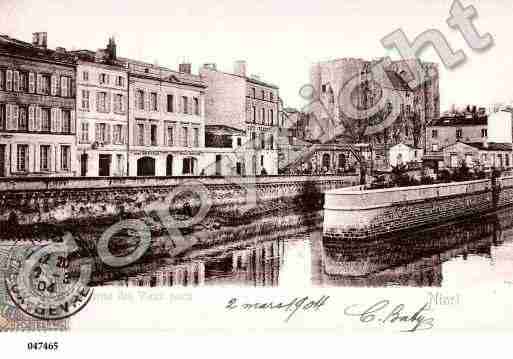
x=184, y=68
x=39, y=39
x=239, y=68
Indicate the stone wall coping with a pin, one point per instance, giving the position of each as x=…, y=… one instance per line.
x=69, y=183
x=355, y=199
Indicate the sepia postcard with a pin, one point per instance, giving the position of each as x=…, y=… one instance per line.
x=279, y=167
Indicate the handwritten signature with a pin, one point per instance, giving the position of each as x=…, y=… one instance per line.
x=292, y=306
x=380, y=312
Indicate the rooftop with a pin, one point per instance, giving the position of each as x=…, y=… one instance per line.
x=14, y=47
x=467, y=119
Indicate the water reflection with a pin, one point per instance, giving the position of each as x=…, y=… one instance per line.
x=304, y=258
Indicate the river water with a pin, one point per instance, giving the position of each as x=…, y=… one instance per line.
x=463, y=253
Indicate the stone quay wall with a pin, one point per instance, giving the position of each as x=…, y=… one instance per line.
x=356, y=214
x=56, y=200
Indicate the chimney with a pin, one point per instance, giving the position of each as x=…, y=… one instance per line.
x=39, y=39
x=184, y=68
x=112, y=49
x=239, y=68
x=210, y=66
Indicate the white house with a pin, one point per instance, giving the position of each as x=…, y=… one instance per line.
x=402, y=154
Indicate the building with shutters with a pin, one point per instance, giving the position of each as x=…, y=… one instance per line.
x=102, y=113
x=166, y=120
x=37, y=109
x=248, y=104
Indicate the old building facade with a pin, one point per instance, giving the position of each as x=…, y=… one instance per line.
x=37, y=109
x=166, y=120
x=248, y=104
x=102, y=113
x=414, y=106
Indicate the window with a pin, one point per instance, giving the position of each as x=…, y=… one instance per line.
x=263, y=116
x=323, y=88
x=196, y=137
x=44, y=158
x=2, y=116
x=253, y=139
x=120, y=81
x=239, y=142
x=101, y=104
x=484, y=132
x=22, y=119
x=45, y=84
x=140, y=134
x=185, y=104
x=254, y=114
x=459, y=133
x=271, y=117
x=185, y=137
x=271, y=142
x=434, y=133
x=117, y=134
x=253, y=92
x=65, y=86
x=85, y=75
x=170, y=136
x=23, y=159
x=196, y=106
x=65, y=158
x=118, y=103
x=85, y=100
x=170, y=103
x=261, y=160
x=140, y=99
x=45, y=120
x=188, y=166
x=2, y=79
x=153, y=135
x=262, y=141
x=101, y=132
x=84, y=132
x=484, y=158
x=66, y=121
x=23, y=86
x=153, y=101
x=263, y=95
x=434, y=147
x=103, y=79
x=408, y=108
x=271, y=96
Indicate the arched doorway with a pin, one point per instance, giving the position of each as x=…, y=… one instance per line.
x=146, y=166
x=326, y=161
x=169, y=165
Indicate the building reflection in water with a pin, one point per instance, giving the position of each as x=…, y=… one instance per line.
x=414, y=259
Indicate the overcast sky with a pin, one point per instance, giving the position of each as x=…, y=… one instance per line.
x=278, y=39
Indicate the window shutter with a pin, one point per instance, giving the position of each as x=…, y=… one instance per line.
x=190, y=104
x=16, y=81
x=38, y=118
x=8, y=80
x=107, y=77
x=64, y=86
x=58, y=164
x=124, y=135
x=97, y=132
x=14, y=117
x=147, y=134
x=179, y=102
x=135, y=130
x=107, y=133
x=73, y=127
x=31, y=118
x=147, y=101
x=54, y=85
x=158, y=102
x=8, y=115
x=108, y=101
x=32, y=82
x=58, y=121
x=98, y=102
x=39, y=84
x=72, y=87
